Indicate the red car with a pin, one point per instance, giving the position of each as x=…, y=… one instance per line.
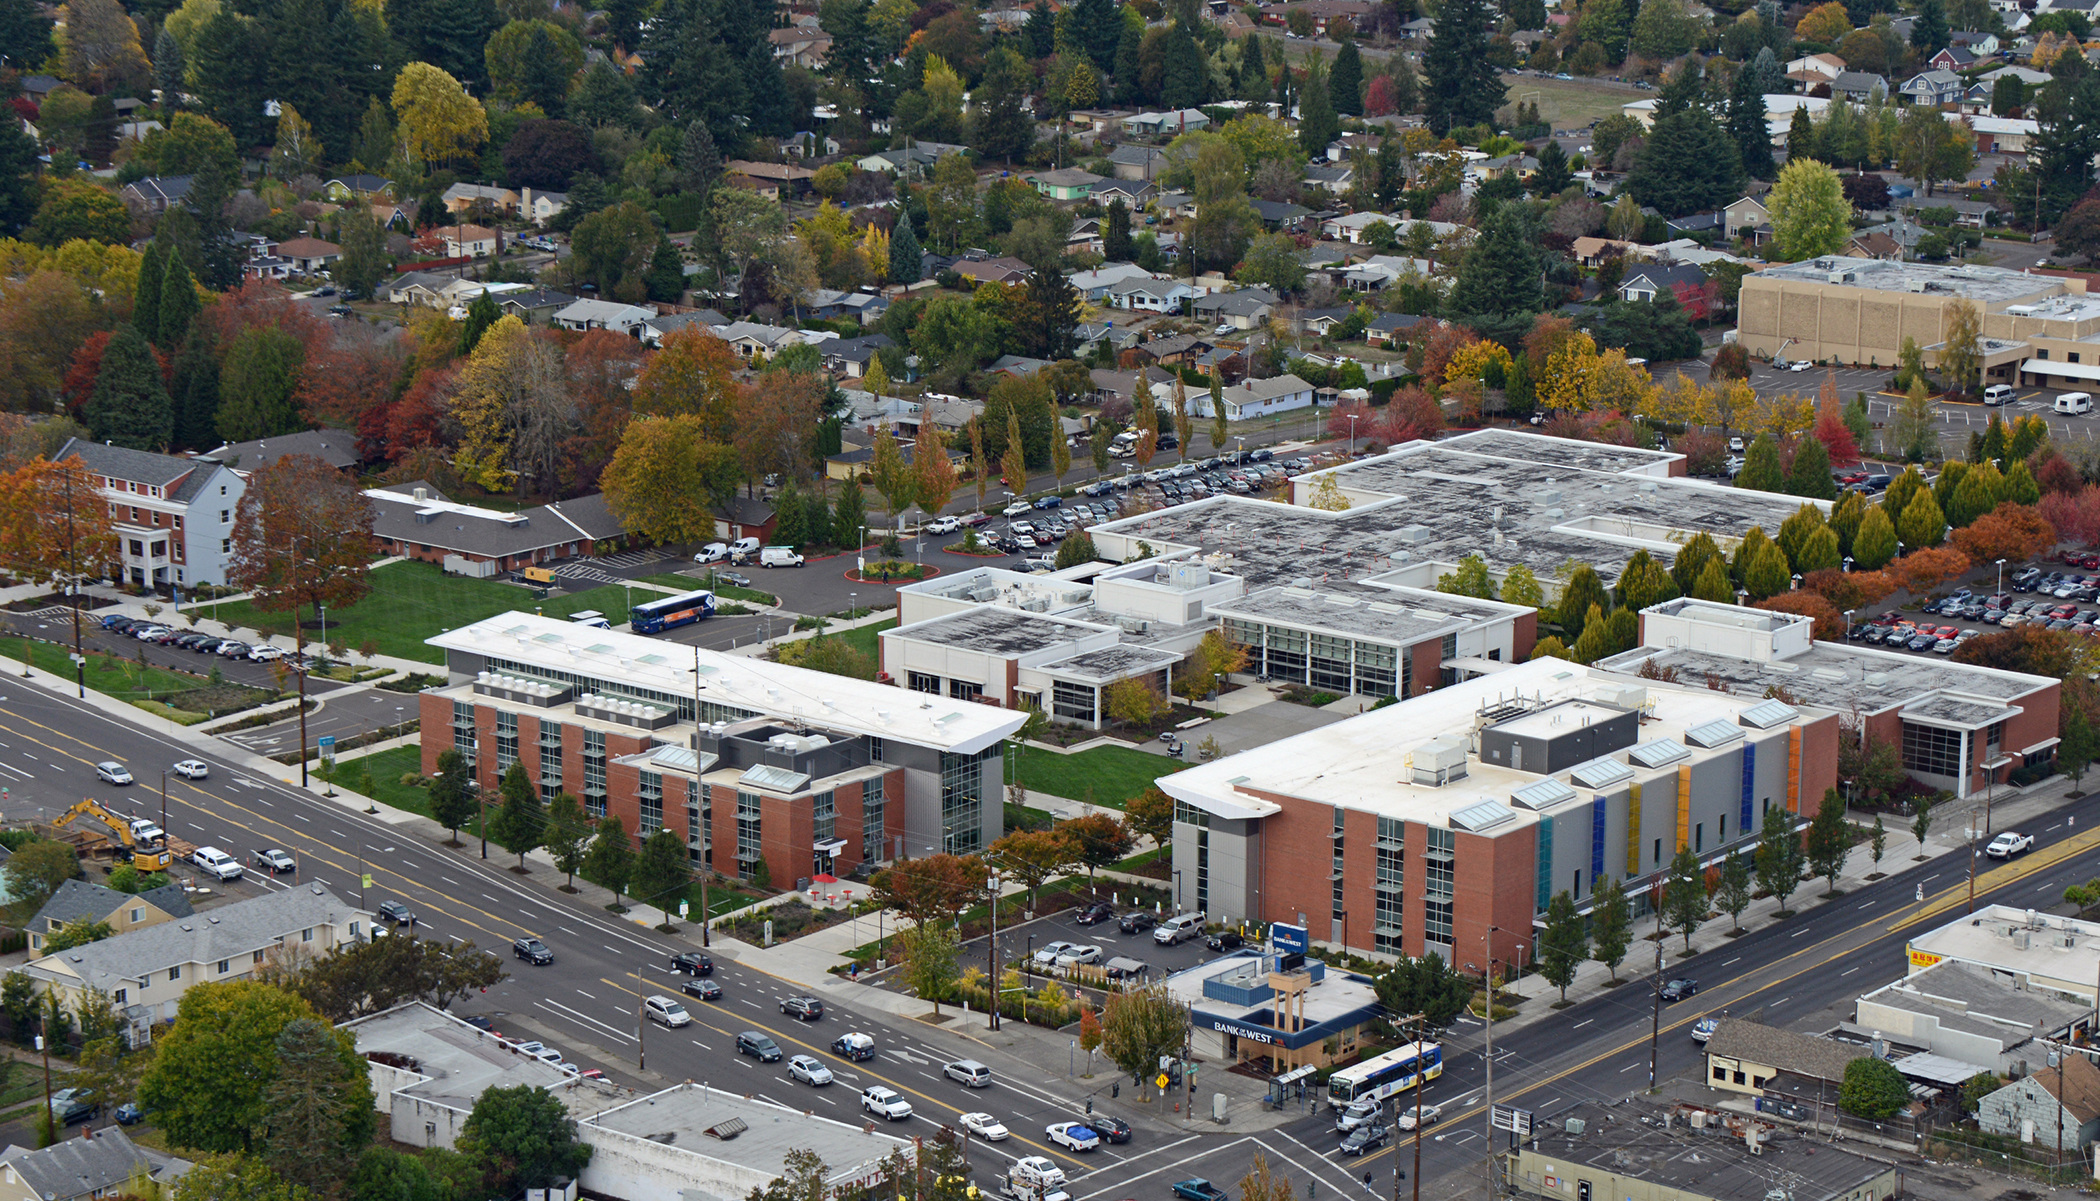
x=1888, y=619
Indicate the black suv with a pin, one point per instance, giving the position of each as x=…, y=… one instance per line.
x=1099, y=911
x=1224, y=940
x=807, y=1009
x=1115, y=1130
x=1135, y=921
x=532, y=951
x=706, y=990
x=692, y=963
x=397, y=913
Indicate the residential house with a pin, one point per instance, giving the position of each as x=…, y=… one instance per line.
x=173, y=516
x=469, y=241
x=1350, y=226
x=863, y=307
x=78, y=903
x=1258, y=398
x=1335, y=177
x=99, y=1162
x=1086, y=236
x=308, y=255
x=1874, y=245
x=155, y=193
x=761, y=188
x=2003, y=135
x=783, y=177
x=707, y=321
x=153, y=966
x=620, y=318
x=849, y=357
x=1952, y=58
x=1118, y=384
x=415, y=287
x=1235, y=25
x=38, y=87
x=1388, y=328
x=1066, y=183
x=1153, y=295
x=1019, y=366
x=1589, y=252
x=750, y=339
x=920, y=157
x=1904, y=232
x=2049, y=1103
x=1175, y=204
x=1417, y=31
x=1343, y=148
x=1133, y=193
x=468, y=199
x=1808, y=71
x=800, y=45
x=1695, y=223
x=1739, y=217
x=540, y=207
x=415, y=521
x=1382, y=271
x=535, y=305
x=267, y=266
x=1173, y=351
x=1980, y=42
x=337, y=448
x=1687, y=283
x=1094, y=285
x=1003, y=270
x=1242, y=308
x=1319, y=321
x=346, y=188
x=1974, y=214
x=1523, y=166
x=1170, y=124
x=1859, y=86
x=460, y=295
x=1936, y=88
x=1140, y=163
x=2027, y=75
x=401, y=218
x=1281, y=215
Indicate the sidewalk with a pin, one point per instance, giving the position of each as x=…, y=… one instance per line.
x=2008, y=811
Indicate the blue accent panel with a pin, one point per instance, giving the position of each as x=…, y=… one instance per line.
x=1596, y=842
x=1545, y=860
x=1749, y=784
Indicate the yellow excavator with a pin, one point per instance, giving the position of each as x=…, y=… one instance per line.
x=143, y=854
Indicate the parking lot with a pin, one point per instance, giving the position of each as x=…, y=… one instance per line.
x=2058, y=597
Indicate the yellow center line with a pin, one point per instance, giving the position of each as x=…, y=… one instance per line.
x=2000, y=876
x=857, y=1066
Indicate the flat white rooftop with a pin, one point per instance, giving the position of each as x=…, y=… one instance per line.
x=1356, y=764
x=694, y=1118
x=2059, y=953
x=563, y=650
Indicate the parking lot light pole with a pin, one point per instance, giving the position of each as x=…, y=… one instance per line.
x=2001, y=579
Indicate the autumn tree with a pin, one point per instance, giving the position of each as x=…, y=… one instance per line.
x=302, y=536
x=667, y=479
x=55, y=529
x=932, y=886
x=775, y=421
x=1033, y=857
x=693, y=372
x=438, y=123
x=937, y=478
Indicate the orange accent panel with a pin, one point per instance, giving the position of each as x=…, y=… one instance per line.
x=1793, y=769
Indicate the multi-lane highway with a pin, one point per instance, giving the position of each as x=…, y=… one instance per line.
x=1803, y=971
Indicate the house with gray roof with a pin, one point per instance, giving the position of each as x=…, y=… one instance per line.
x=849, y=357
x=705, y=320
x=2060, y=1102
x=1135, y=194
x=415, y=521
x=605, y=314
x=416, y=287
x=1140, y=163
x=1935, y=87
x=538, y=304
x=155, y=193
x=337, y=448
x=173, y=515
x=78, y=901
x=99, y=1162
x=1858, y=86
x=864, y=307
x=152, y=968
x=1241, y=308
x=1745, y=1057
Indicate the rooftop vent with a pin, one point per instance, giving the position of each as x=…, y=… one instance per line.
x=728, y=1128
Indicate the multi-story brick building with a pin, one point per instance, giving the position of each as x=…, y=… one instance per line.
x=174, y=516
x=742, y=758
x=1449, y=821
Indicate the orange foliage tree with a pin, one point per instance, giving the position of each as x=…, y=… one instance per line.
x=1830, y=624
x=2012, y=532
x=1848, y=589
x=1926, y=569
x=1830, y=428
x=694, y=373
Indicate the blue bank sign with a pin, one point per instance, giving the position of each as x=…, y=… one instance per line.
x=1289, y=939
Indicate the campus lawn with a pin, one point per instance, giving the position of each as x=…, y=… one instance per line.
x=1114, y=773
x=410, y=602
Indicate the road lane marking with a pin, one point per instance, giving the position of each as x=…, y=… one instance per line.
x=578, y=1016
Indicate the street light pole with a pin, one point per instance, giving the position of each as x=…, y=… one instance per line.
x=1655, y=1024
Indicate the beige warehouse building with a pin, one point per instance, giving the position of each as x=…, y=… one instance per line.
x=2037, y=329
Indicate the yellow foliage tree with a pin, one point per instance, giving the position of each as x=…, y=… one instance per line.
x=694, y=372
x=1568, y=369
x=1617, y=385
x=1472, y=361
x=1678, y=401
x=875, y=247
x=1730, y=406
x=435, y=120
x=1784, y=416
x=480, y=407
x=1327, y=494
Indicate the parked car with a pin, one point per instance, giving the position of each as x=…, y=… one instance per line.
x=216, y=862
x=70, y=1105
x=1099, y=911
x=1047, y=956
x=230, y=649
x=1137, y=921
x=713, y=552
x=1078, y=954
x=944, y=525
x=1225, y=940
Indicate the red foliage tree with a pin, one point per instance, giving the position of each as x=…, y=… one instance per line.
x=1831, y=429
x=259, y=303
x=1443, y=342
x=85, y=369
x=599, y=366
x=347, y=378
x=2053, y=472
x=1927, y=568
x=1411, y=415
x=1378, y=100
x=2014, y=532
x=2075, y=516
x=1848, y=589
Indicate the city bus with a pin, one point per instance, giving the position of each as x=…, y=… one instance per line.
x=1381, y=1076
x=654, y=617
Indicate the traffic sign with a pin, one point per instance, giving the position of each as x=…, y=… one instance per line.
x=1162, y=1081
x=327, y=746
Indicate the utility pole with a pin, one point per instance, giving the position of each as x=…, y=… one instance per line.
x=79, y=659
x=1655, y=1026
x=641, y=1028
x=706, y=811
x=991, y=956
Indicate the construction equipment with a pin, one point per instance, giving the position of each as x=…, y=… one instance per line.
x=147, y=856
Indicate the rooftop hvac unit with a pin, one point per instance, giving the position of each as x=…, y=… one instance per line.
x=1439, y=761
x=1036, y=604
x=1837, y=277
x=1825, y=264
x=1916, y=285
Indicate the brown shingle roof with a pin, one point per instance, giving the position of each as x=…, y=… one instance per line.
x=1801, y=1054
x=2081, y=1086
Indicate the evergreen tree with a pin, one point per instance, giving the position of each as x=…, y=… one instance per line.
x=905, y=255
x=1317, y=124
x=167, y=66
x=179, y=305
x=1809, y=473
x=1801, y=137
x=1186, y=77
x=145, y=301
x=850, y=515
x=1129, y=86
x=1746, y=127
x=710, y=59
x=1461, y=83
x=1003, y=128
x=1553, y=176
x=1733, y=892
x=1041, y=31
x=1761, y=470
x=195, y=393
x=1254, y=70
x=698, y=159
x=520, y=823
x=481, y=314
x=1928, y=34
x=1499, y=288
x=2067, y=110
x=1345, y=87
x=129, y=405
x=1687, y=165
x=665, y=278
x=1115, y=239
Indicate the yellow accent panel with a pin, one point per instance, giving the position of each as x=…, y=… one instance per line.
x=1684, y=805
x=1793, y=769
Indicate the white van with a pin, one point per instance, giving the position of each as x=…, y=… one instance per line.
x=779, y=556
x=1177, y=929
x=1998, y=394
x=2075, y=402
x=742, y=549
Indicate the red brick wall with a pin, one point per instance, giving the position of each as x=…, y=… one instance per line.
x=1524, y=634
x=1493, y=885
x=1819, y=761
x=1429, y=664
x=1297, y=848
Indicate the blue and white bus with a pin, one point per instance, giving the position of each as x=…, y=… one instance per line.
x=1381, y=1076
x=656, y=616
